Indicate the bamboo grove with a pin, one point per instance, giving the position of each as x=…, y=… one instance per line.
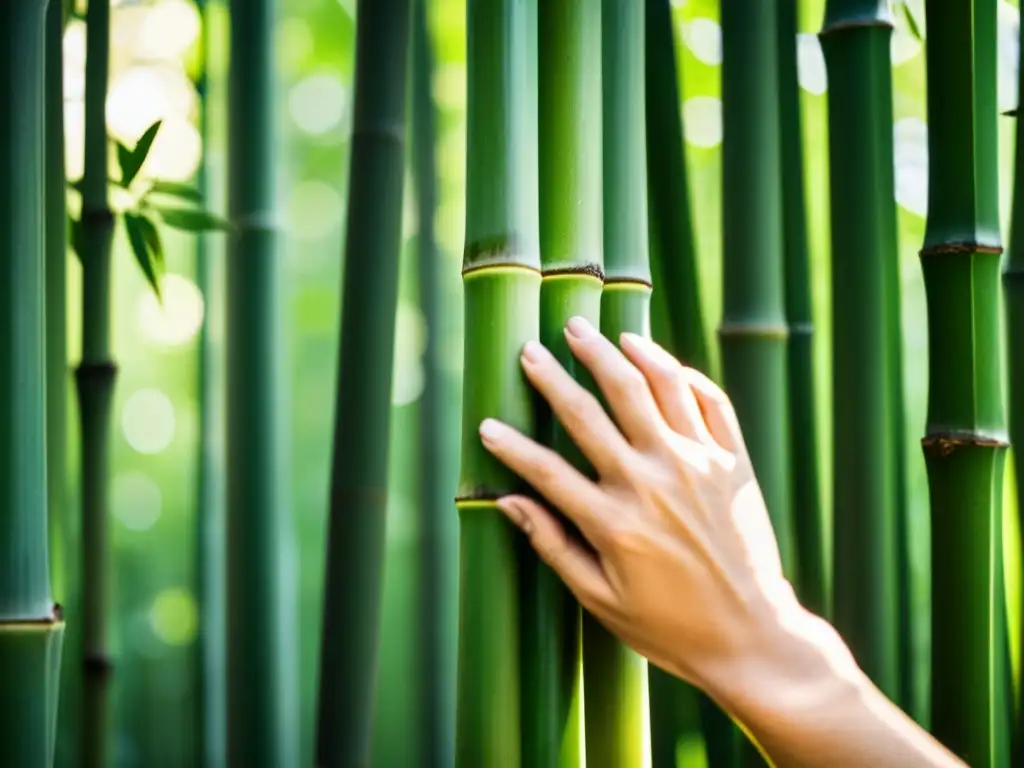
x=352, y=592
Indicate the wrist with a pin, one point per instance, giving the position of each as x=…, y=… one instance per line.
x=796, y=664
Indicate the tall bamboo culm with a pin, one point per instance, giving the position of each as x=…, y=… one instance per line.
x=94, y=379
x=1013, y=297
x=502, y=284
x=807, y=514
x=31, y=628
x=210, y=654
x=753, y=333
x=855, y=40
x=569, y=141
x=359, y=471
x=438, y=527
x=63, y=520
x=615, y=676
x=262, y=727
x=965, y=439
x=674, y=269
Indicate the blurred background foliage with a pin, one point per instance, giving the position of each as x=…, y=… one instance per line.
x=155, y=60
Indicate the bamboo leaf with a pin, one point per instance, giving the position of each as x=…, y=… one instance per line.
x=131, y=161
x=1010, y=112
x=177, y=189
x=152, y=267
x=190, y=219
x=912, y=26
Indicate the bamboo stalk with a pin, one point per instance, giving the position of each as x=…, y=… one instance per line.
x=211, y=654
x=615, y=676
x=569, y=94
x=95, y=380
x=31, y=627
x=438, y=534
x=807, y=514
x=261, y=721
x=753, y=333
x=1013, y=296
x=855, y=40
x=965, y=439
x=674, y=267
x=63, y=526
x=359, y=472
x=502, y=283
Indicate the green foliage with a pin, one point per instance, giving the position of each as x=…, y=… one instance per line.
x=140, y=219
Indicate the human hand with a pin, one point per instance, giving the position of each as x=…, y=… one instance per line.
x=684, y=567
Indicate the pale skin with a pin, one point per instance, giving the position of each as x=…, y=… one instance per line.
x=683, y=564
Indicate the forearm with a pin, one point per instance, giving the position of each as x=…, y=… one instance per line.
x=807, y=704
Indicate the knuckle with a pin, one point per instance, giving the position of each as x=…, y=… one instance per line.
x=631, y=383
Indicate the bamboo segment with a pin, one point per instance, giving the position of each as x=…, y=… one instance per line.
x=65, y=561
x=965, y=439
x=1013, y=296
x=672, y=245
x=807, y=513
x=501, y=277
x=614, y=675
x=753, y=333
x=437, y=609
x=569, y=142
x=261, y=709
x=211, y=659
x=94, y=379
x=674, y=267
x=359, y=471
x=31, y=628
x=864, y=262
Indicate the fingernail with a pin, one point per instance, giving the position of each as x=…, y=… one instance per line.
x=534, y=352
x=514, y=512
x=581, y=328
x=491, y=430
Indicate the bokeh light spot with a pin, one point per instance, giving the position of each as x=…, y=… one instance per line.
x=702, y=121
x=810, y=64
x=136, y=500
x=173, y=616
x=170, y=27
x=410, y=341
x=317, y=103
x=704, y=39
x=147, y=421
x=910, y=150
x=178, y=318
x=314, y=210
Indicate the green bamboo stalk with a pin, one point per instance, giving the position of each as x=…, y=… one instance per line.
x=211, y=654
x=965, y=439
x=260, y=646
x=672, y=245
x=438, y=532
x=614, y=675
x=674, y=267
x=63, y=525
x=569, y=95
x=807, y=515
x=1013, y=295
x=753, y=333
x=95, y=379
x=359, y=473
x=502, y=283
x=855, y=40
x=31, y=627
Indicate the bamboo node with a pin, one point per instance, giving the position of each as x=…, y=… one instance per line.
x=618, y=281
x=95, y=372
x=942, y=444
x=865, y=22
x=98, y=665
x=500, y=251
x=801, y=329
x=739, y=328
x=961, y=247
x=589, y=269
